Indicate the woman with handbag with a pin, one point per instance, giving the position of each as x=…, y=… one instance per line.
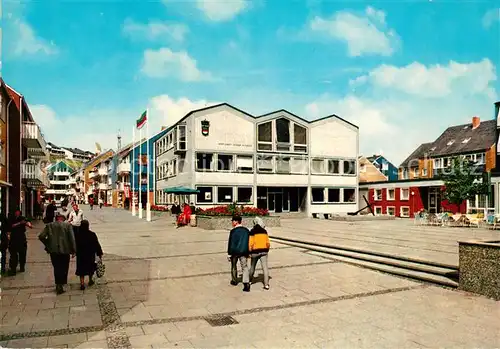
x=87, y=248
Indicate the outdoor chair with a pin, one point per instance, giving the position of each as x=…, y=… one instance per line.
x=474, y=219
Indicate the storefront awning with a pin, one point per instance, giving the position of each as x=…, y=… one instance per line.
x=181, y=190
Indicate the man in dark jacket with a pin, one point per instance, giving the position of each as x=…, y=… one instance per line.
x=50, y=212
x=18, y=244
x=237, y=250
x=60, y=243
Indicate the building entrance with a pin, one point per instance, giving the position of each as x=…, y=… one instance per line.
x=281, y=199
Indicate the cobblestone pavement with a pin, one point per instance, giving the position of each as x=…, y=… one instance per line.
x=399, y=237
x=167, y=287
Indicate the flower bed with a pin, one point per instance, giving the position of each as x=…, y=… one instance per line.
x=231, y=210
x=159, y=208
x=219, y=217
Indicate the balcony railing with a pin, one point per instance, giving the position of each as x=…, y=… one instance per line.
x=103, y=186
x=124, y=167
x=32, y=136
x=32, y=173
x=102, y=171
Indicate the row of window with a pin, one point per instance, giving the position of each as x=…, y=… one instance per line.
x=281, y=135
x=404, y=194
x=224, y=195
x=175, y=139
x=169, y=169
x=333, y=195
x=273, y=164
x=442, y=163
x=404, y=211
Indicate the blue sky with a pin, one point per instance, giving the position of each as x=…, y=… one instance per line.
x=402, y=71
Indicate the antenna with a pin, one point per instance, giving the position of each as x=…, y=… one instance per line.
x=119, y=139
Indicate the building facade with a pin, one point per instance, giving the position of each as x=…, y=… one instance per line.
x=121, y=178
x=59, y=153
x=62, y=184
x=384, y=166
x=419, y=186
x=97, y=183
x=278, y=161
x=26, y=154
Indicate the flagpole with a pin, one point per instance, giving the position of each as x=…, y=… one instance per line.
x=133, y=170
x=148, y=204
x=139, y=179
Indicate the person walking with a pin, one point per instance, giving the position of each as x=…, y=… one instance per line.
x=101, y=202
x=50, y=212
x=258, y=246
x=64, y=211
x=237, y=250
x=4, y=243
x=91, y=203
x=87, y=248
x=18, y=244
x=59, y=242
x=76, y=218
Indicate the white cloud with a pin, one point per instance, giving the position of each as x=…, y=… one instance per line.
x=435, y=81
x=164, y=62
x=221, y=10
x=155, y=30
x=170, y=110
x=28, y=43
x=364, y=35
x=61, y=130
x=491, y=17
x=403, y=107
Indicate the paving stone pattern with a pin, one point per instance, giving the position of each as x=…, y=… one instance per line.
x=167, y=287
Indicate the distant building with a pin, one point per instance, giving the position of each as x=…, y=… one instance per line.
x=384, y=166
x=61, y=183
x=58, y=153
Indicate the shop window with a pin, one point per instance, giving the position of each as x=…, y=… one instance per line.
x=244, y=163
x=205, y=195
x=204, y=161
x=265, y=164
x=349, y=167
x=225, y=194
x=333, y=195
x=333, y=166
x=244, y=195
x=224, y=162
x=318, y=166
x=349, y=195
x=318, y=195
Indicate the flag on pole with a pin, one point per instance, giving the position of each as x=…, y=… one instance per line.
x=142, y=120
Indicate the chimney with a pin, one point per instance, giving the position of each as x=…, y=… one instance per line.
x=475, y=122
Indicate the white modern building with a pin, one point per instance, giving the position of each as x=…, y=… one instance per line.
x=61, y=181
x=277, y=161
x=69, y=153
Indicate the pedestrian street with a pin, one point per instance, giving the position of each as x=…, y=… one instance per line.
x=166, y=287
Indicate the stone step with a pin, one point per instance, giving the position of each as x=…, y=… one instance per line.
x=428, y=271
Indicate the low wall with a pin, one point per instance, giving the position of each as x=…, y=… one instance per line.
x=479, y=263
x=224, y=222
x=356, y=218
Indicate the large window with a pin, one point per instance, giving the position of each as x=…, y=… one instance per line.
x=205, y=194
x=349, y=167
x=283, y=134
x=333, y=195
x=224, y=162
x=333, y=166
x=244, y=195
x=225, y=194
x=318, y=195
x=318, y=166
x=264, y=136
x=349, y=195
x=299, y=138
x=204, y=161
x=283, y=165
x=244, y=163
x=265, y=164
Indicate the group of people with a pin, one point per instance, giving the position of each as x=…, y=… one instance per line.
x=13, y=239
x=183, y=215
x=66, y=235
x=244, y=244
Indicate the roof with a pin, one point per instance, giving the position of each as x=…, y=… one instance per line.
x=418, y=153
x=101, y=156
x=18, y=98
x=77, y=151
x=257, y=117
x=72, y=164
x=372, y=158
x=451, y=141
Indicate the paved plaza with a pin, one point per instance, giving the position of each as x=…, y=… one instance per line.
x=169, y=288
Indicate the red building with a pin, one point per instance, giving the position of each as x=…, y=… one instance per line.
x=419, y=186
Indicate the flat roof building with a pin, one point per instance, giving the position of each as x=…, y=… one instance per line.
x=278, y=161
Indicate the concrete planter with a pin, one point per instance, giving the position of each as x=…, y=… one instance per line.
x=479, y=264
x=224, y=222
